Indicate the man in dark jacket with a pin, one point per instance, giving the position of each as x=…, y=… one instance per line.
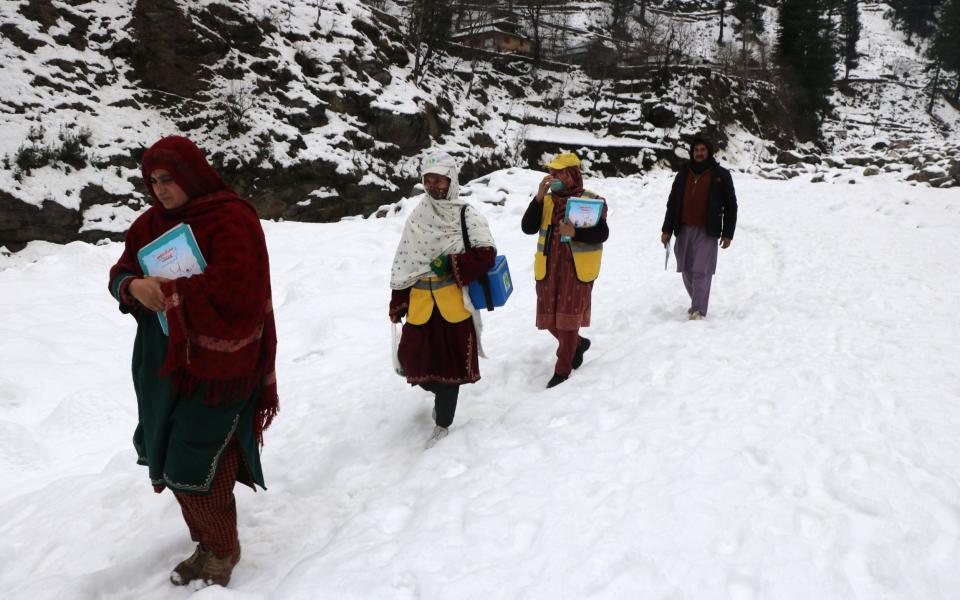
x=702, y=208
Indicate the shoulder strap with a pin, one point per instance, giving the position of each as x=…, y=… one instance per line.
x=484, y=279
x=463, y=228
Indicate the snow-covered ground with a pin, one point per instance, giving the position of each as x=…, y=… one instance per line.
x=800, y=443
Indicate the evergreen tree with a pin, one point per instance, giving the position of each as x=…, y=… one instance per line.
x=916, y=17
x=807, y=56
x=722, y=5
x=749, y=25
x=619, y=11
x=832, y=7
x=749, y=13
x=945, y=49
x=849, y=35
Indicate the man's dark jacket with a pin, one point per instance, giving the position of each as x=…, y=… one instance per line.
x=721, y=203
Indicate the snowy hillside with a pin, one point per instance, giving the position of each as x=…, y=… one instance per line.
x=312, y=111
x=252, y=82
x=800, y=443
x=887, y=101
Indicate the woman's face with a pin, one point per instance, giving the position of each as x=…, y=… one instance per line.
x=167, y=190
x=436, y=185
x=564, y=176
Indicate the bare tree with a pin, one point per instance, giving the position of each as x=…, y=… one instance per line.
x=428, y=29
x=617, y=23
x=602, y=68
x=320, y=4
x=675, y=41
x=236, y=106
x=645, y=34
x=623, y=23
x=554, y=37
x=484, y=18
x=516, y=144
x=461, y=15
x=533, y=12
x=560, y=98
x=727, y=56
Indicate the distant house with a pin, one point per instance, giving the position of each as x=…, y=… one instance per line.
x=498, y=36
x=577, y=53
x=590, y=49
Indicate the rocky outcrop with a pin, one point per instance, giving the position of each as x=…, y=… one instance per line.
x=608, y=160
x=22, y=222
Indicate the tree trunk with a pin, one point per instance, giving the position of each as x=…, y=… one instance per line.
x=744, y=33
x=613, y=109
x=596, y=100
x=416, y=63
x=320, y=4
x=723, y=6
x=935, y=88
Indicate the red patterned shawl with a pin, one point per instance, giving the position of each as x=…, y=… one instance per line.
x=222, y=330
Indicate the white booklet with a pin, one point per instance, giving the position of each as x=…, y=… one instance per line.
x=173, y=255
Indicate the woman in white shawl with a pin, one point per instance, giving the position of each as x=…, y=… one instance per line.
x=431, y=270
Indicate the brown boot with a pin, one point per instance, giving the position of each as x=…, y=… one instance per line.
x=216, y=570
x=189, y=569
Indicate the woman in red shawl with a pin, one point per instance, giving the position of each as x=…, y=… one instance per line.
x=564, y=270
x=207, y=390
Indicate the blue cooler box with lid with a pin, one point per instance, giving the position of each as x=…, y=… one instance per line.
x=501, y=286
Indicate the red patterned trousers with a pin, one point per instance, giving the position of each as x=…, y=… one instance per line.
x=569, y=340
x=212, y=519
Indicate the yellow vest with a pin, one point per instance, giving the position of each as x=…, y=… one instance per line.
x=586, y=257
x=440, y=291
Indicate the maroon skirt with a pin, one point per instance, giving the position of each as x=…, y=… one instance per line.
x=439, y=351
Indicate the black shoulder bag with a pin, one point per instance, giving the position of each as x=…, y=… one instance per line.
x=484, y=280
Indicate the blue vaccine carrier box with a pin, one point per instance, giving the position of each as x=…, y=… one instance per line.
x=501, y=286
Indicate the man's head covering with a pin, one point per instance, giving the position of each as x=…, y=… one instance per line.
x=562, y=161
x=441, y=163
x=706, y=164
x=185, y=163
x=701, y=140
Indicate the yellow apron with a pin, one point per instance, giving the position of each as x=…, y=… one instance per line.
x=586, y=257
x=440, y=291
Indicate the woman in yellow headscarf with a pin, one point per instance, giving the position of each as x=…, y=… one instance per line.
x=564, y=270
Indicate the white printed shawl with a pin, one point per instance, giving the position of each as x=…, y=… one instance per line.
x=433, y=228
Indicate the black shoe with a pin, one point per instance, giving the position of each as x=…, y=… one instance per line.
x=556, y=380
x=582, y=347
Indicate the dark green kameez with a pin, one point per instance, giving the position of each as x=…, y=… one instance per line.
x=179, y=438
